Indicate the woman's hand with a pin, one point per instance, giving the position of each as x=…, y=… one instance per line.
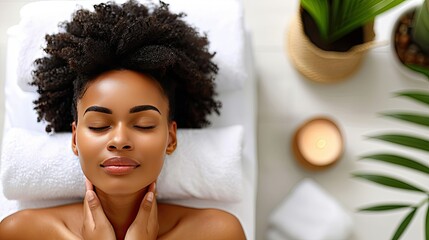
x=95, y=223
x=145, y=226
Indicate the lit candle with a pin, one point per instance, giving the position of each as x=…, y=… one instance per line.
x=318, y=143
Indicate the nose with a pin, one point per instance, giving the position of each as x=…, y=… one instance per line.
x=120, y=139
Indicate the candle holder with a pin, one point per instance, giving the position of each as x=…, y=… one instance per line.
x=318, y=143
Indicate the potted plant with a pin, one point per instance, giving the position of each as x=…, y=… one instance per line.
x=410, y=41
x=414, y=142
x=328, y=38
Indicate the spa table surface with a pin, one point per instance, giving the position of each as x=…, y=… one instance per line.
x=286, y=99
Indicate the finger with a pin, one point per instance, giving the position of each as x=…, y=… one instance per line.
x=152, y=187
x=95, y=224
x=88, y=221
x=96, y=210
x=153, y=224
x=88, y=184
x=146, y=206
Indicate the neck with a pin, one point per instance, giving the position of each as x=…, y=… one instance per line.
x=121, y=210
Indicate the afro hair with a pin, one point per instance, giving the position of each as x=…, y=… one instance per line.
x=150, y=40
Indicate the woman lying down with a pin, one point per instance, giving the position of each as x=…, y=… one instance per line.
x=123, y=78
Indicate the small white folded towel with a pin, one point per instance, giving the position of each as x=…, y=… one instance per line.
x=274, y=234
x=309, y=213
x=223, y=21
x=205, y=165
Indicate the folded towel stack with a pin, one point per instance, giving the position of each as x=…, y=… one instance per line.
x=205, y=165
x=309, y=213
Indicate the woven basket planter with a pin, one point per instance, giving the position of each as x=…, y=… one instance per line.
x=320, y=65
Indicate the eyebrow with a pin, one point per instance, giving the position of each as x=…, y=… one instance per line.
x=141, y=108
x=135, y=109
x=98, y=109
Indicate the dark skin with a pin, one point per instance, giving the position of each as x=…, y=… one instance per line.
x=175, y=222
x=122, y=115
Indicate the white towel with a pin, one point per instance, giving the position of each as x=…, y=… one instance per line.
x=309, y=213
x=274, y=234
x=205, y=165
x=223, y=21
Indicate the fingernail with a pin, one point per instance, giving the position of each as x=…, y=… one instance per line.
x=150, y=196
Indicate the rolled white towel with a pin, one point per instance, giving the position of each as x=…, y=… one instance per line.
x=7, y=207
x=309, y=213
x=205, y=165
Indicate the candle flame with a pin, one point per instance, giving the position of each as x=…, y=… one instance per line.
x=321, y=143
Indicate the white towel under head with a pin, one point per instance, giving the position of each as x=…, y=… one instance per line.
x=226, y=34
x=205, y=165
x=309, y=213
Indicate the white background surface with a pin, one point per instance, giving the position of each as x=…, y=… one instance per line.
x=286, y=99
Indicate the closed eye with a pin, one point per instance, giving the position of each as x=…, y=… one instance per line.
x=145, y=127
x=99, y=129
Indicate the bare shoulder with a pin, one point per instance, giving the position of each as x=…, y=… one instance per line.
x=46, y=223
x=204, y=224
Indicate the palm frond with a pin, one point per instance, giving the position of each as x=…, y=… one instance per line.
x=419, y=69
x=389, y=182
x=385, y=207
x=418, y=96
x=337, y=18
x=362, y=14
x=427, y=223
x=404, y=140
x=416, y=118
x=319, y=11
x=398, y=161
x=404, y=224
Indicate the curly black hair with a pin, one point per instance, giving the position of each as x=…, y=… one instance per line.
x=150, y=40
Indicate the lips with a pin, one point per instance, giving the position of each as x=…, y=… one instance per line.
x=119, y=165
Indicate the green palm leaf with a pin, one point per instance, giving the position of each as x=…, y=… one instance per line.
x=419, y=69
x=364, y=12
x=398, y=160
x=384, y=207
x=404, y=140
x=388, y=181
x=427, y=224
x=419, y=96
x=404, y=224
x=410, y=117
x=336, y=18
x=319, y=11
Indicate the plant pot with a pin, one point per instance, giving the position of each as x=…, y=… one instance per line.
x=402, y=41
x=321, y=65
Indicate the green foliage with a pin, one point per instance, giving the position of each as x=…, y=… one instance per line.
x=404, y=224
x=336, y=18
x=419, y=143
x=385, y=207
x=389, y=182
x=419, y=69
x=421, y=28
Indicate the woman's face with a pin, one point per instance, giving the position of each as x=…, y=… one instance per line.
x=123, y=133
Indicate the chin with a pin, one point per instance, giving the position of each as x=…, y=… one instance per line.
x=114, y=185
